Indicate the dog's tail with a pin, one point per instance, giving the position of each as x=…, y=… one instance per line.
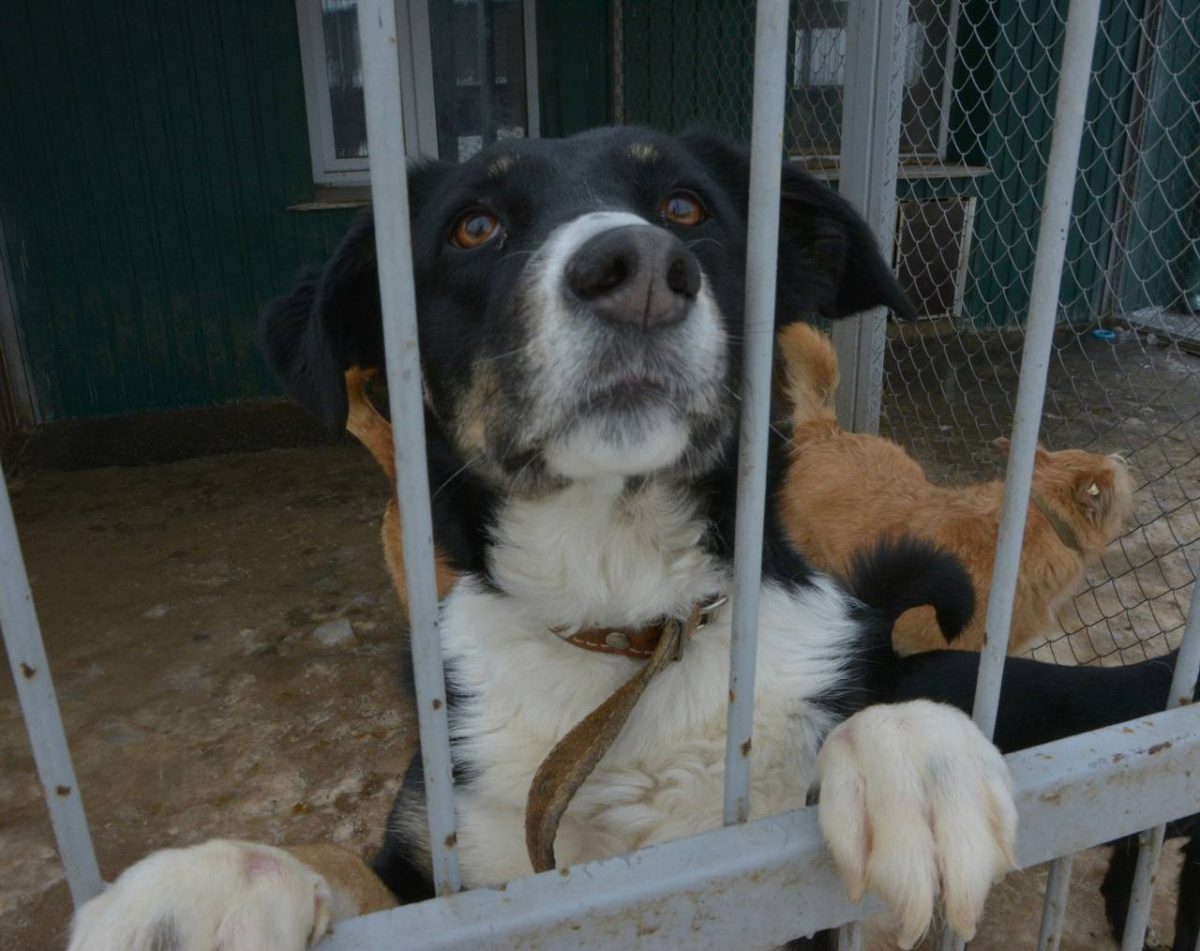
x=810, y=371
x=365, y=424
x=902, y=573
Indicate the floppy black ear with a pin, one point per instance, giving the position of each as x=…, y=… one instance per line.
x=330, y=321
x=829, y=260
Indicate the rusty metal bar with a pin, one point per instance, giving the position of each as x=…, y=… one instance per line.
x=766, y=150
x=761, y=883
x=393, y=243
x=43, y=720
x=1150, y=842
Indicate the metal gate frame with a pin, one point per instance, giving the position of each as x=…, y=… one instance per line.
x=752, y=883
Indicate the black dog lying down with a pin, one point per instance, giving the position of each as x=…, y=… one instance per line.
x=1041, y=703
x=580, y=306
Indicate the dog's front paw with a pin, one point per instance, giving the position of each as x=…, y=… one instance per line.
x=222, y=894
x=913, y=796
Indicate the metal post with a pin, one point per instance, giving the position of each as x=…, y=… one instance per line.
x=43, y=721
x=389, y=193
x=1062, y=166
x=1055, y=906
x=870, y=154
x=1183, y=684
x=1083, y=18
x=851, y=936
x=766, y=149
x=533, y=107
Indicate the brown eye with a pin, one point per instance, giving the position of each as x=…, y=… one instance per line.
x=474, y=229
x=683, y=208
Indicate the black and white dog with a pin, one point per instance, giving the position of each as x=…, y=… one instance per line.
x=580, y=303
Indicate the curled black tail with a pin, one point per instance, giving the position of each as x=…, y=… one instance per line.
x=902, y=573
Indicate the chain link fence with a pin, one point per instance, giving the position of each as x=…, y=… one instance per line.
x=978, y=85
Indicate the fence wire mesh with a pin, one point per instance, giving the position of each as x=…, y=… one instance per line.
x=976, y=112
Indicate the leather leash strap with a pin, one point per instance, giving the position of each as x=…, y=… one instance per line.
x=1066, y=534
x=573, y=758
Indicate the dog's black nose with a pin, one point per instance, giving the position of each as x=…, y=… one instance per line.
x=636, y=274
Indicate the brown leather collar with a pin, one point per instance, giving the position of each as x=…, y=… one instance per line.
x=640, y=642
x=1066, y=534
x=573, y=758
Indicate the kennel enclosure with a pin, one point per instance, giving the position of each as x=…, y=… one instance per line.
x=765, y=881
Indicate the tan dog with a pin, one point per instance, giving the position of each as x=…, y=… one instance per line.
x=844, y=491
x=366, y=425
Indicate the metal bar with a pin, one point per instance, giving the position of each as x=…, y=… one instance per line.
x=1183, y=685
x=616, y=15
x=1132, y=156
x=486, y=65
x=1055, y=906
x=533, y=107
x=1082, y=21
x=851, y=936
x=948, y=80
x=1141, y=891
x=761, y=883
x=389, y=195
x=1083, y=17
x=417, y=83
x=43, y=720
x=870, y=155
x=766, y=150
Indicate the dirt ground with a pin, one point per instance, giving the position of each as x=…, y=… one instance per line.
x=182, y=606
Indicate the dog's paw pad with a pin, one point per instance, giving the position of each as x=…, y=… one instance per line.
x=236, y=896
x=915, y=802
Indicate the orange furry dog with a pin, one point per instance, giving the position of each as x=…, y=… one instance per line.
x=844, y=491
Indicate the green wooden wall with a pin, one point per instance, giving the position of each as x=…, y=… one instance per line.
x=151, y=150
x=1010, y=134
x=148, y=155
x=1164, y=239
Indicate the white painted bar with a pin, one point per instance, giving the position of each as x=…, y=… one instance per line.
x=852, y=936
x=39, y=707
x=1074, y=76
x=1183, y=684
x=766, y=155
x=1054, y=909
x=867, y=168
x=533, y=106
x=393, y=244
x=1083, y=17
x=758, y=884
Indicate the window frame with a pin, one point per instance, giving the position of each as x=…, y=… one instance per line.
x=416, y=89
x=800, y=67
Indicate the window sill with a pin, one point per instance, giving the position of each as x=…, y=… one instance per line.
x=907, y=171
x=334, y=198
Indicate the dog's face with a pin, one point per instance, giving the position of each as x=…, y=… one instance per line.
x=579, y=302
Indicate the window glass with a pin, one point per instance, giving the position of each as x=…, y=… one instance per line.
x=479, y=73
x=343, y=73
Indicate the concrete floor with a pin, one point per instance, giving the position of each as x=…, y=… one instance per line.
x=179, y=603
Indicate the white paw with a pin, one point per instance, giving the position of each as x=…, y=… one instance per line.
x=915, y=800
x=237, y=896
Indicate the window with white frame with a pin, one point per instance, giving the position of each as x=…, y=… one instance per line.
x=818, y=73
x=468, y=77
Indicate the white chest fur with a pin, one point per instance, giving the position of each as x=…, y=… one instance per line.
x=593, y=556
